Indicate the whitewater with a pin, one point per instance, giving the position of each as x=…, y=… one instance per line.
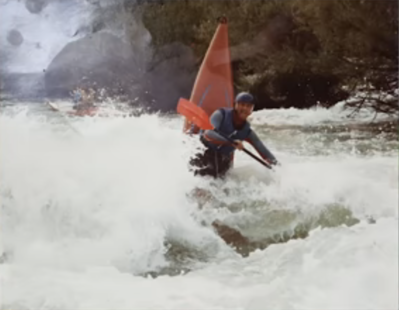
x=101, y=212
x=103, y=217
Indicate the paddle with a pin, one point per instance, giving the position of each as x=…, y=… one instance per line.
x=198, y=116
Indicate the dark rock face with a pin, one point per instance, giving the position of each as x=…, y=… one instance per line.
x=170, y=76
x=299, y=91
x=101, y=60
x=104, y=61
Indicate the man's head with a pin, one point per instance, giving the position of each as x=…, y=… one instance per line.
x=244, y=105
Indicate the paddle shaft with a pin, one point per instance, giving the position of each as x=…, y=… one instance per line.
x=245, y=150
x=256, y=158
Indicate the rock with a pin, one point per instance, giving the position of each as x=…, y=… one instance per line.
x=297, y=90
x=104, y=61
x=101, y=60
x=171, y=76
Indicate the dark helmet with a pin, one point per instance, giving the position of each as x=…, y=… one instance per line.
x=245, y=97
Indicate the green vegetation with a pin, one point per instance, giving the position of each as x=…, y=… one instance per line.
x=292, y=52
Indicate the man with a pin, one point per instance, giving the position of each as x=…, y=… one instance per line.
x=83, y=99
x=217, y=158
x=77, y=97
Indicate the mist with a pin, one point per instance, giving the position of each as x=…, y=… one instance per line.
x=50, y=48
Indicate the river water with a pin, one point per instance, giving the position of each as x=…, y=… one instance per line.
x=98, y=213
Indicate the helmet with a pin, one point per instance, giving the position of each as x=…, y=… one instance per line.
x=245, y=97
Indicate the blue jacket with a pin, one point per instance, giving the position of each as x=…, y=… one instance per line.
x=222, y=120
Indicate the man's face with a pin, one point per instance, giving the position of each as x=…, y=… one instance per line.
x=244, y=109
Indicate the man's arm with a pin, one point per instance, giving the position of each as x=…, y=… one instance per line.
x=254, y=140
x=212, y=136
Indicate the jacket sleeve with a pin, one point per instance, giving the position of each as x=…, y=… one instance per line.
x=216, y=119
x=212, y=136
x=254, y=140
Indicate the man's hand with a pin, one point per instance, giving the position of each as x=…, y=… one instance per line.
x=238, y=144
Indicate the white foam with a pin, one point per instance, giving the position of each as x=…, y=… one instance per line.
x=337, y=268
x=337, y=114
x=115, y=193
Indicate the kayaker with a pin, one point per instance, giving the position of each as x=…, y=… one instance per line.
x=77, y=97
x=83, y=99
x=217, y=158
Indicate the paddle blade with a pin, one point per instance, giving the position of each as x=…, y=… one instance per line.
x=194, y=114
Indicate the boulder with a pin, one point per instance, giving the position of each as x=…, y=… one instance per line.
x=100, y=60
x=170, y=76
